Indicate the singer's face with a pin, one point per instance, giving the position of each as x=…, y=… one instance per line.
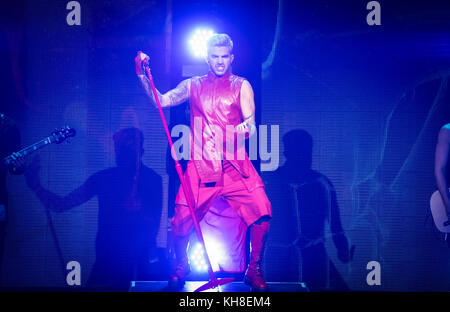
x=219, y=60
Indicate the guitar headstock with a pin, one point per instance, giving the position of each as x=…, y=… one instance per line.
x=60, y=135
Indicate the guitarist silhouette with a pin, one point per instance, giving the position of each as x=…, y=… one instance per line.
x=129, y=213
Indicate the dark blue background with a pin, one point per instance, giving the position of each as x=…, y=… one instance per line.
x=372, y=97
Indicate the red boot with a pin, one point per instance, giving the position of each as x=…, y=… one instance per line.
x=181, y=267
x=254, y=275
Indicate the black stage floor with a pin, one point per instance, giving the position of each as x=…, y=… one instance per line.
x=190, y=286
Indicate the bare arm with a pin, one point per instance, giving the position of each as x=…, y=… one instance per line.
x=440, y=164
x=174, y=97
x=247, y=108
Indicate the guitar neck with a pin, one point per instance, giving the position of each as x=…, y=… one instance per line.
x=34, y=147
x=28, y=150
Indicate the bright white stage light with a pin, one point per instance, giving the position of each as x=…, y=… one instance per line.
x=197, y=42
x=197, y=257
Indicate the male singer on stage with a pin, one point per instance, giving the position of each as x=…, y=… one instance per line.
x=218, y=101
x=442, y=165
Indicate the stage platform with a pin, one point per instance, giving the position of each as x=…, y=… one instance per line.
x=190, y=286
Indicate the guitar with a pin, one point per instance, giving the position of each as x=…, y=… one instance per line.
x=439, y=214
x=57, y=136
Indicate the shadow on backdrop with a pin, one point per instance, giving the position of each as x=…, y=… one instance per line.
x=130, y=204
x=304, y=200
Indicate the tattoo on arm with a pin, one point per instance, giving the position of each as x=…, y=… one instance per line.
x=180, y=94
x=173, y=97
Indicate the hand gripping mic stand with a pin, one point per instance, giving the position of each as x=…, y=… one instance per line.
x=213, y=282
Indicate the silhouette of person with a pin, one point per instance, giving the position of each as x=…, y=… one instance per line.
x=10, y=143
x=305, y=200
x=130, y=203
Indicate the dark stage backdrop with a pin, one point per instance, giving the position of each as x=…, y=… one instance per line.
x=373, y=99
x=82, y=76
x=370, y=98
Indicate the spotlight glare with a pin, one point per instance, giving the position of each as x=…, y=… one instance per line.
x=198, y=41
x=197, y=256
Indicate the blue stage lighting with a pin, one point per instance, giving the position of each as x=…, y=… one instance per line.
x=197, y=42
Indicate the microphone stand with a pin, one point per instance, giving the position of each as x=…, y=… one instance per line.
x=213, y=282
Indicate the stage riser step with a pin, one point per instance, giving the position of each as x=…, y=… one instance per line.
x=190, y=286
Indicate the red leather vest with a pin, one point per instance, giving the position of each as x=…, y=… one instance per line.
x=215, y=104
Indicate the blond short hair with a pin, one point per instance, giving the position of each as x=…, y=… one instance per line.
x=220, y=40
